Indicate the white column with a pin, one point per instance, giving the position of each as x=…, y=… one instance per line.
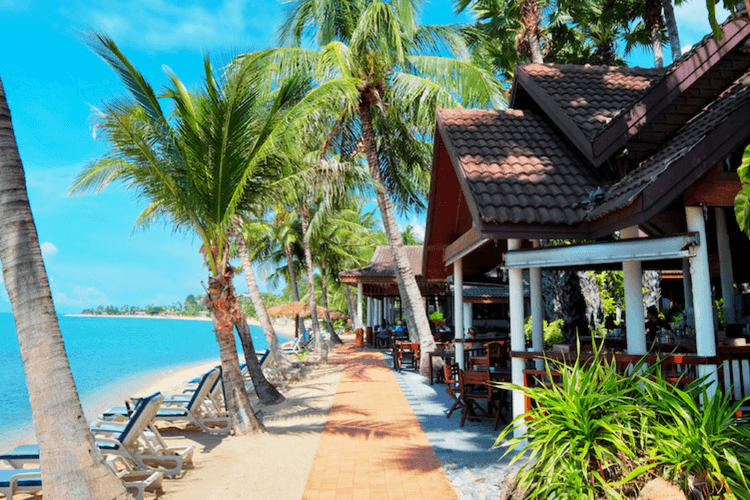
x=727, y=271
x=378, y=312
x=517, y=339
x=635, y=326
x=359, y=305
x=458, y=309
x=705, y=337
x=468, y=315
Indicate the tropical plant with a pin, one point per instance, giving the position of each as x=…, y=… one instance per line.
x=552, y=331
x=372, y=63
x=598, y=433
x=197, y=169
x=742, y=199
x=79, y=472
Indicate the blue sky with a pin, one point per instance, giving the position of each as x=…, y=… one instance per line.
x=53, y=82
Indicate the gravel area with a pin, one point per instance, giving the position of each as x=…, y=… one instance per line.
x=475, y=470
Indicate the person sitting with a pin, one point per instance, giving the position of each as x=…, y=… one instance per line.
x=653, y=324
x=471, y=336
x=384, y=336
x=399, y=327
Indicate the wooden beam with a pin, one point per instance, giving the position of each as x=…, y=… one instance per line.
x=716, y=189
x=466, y=243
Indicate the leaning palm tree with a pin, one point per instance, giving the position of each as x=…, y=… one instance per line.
x=390, y=78
x=197, y=170
x=78, y=472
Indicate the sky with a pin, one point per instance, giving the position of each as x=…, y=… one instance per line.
x=53, y=83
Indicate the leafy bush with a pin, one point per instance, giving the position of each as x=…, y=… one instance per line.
x=598, y=434
x=437, y=316
x=552, y=331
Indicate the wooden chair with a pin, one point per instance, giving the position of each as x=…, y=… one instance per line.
x=476, y=387
x=408, y=355
x=497, y=355
x=453, y=385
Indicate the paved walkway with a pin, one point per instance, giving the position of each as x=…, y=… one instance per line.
x=373, y=446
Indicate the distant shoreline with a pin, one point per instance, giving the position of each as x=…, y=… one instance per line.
x=284, y=329
x=141, y=316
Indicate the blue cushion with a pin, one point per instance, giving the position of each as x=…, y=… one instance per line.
x=23, y=452
x=7, y=475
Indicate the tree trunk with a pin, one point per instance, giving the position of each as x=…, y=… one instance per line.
x=349, y=305
x=225, y=311
x=411, y=296
x=299, y=325
x=573, y=307
x=72, y=465
x=674, y=34
x=320, y=347
x=267, y=393
x=260, y=308
x=530, y=13
x=324, y=285
x=655, y=23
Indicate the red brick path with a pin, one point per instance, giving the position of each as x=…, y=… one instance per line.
x=372, y=446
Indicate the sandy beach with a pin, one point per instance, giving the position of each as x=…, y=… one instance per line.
x=270, y=465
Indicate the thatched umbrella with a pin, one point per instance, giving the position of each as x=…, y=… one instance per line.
x=300, y=309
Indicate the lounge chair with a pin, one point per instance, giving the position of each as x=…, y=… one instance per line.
x=19, y=480
x=137, y=440
x=195, y=410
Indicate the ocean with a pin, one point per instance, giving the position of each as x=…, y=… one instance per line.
x=107, y=356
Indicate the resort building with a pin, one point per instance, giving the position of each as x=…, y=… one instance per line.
x=638, y=166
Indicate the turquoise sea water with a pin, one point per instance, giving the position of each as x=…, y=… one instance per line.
x=107, y=356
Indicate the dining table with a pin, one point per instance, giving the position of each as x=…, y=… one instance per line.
x=444, y=354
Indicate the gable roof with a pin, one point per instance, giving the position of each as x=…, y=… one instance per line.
x=516, y=168
x=381, y=265
x=603, y=109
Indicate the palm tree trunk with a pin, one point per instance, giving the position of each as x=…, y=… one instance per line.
x=299, y=325
x=266, y=392
x=72, y=465
x=672, y=31
x=225, y=311
x=319, y=342
x=411, y=295
x=260, y=308
x=655, y=23
x=530, y=13
x=324, y=285
x=349, y=305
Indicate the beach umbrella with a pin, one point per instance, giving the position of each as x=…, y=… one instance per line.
x=300, y=309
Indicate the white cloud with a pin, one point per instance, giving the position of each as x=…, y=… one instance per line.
x=158, y=25
x=418, y=227
x=48, y=249
x=81, y=297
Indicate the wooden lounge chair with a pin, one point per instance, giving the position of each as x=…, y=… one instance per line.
x=19, y=481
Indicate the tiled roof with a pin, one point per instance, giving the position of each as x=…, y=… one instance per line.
x=593, y=95
x=517, y=168
x=381, y=263
x=713, y=115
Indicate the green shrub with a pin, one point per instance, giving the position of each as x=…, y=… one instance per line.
x=552, y=331
x=437, y=316
x=599, y=434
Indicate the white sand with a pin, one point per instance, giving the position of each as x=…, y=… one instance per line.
x=272, y=465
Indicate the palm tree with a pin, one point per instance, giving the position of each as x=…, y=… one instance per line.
x=387, y=73
x=78, y=472
x=198, y=171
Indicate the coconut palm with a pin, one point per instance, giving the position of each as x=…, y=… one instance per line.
x=387, y=73
x=59, y=422
x=198, y=170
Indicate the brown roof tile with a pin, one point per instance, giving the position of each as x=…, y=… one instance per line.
x=624, y=192
x=381, y=263
x=517, y=168
x=593, y=95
